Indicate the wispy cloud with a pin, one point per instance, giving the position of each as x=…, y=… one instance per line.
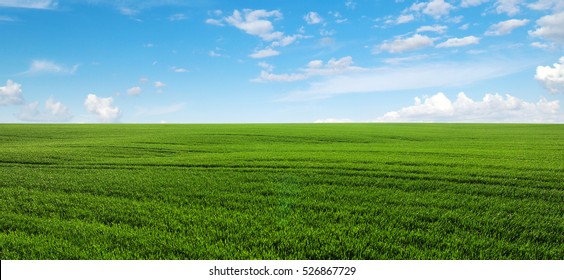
x=313, y=18
x=134, y=91
x=313, y=68
x=53, y=111
x=399, y=45
x=264, y=53
x=177, y=17
x=505, y=27
x=29, y=4
x=178, y=69
x=459, y=42
x=49, y=67
x=7, y=19
x=421, y=76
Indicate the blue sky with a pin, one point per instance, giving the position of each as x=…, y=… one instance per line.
x=207, y=61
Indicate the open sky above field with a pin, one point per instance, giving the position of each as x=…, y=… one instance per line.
x=208, y=61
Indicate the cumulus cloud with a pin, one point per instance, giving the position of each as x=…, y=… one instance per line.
x=134, y=91
x=550, y=27
x=459, y=42
x=255, y=22
x=49, y=67
x=159, y=84
x=53, y=112
x=505, y=27
x=103, y=108
x=492, y=108
x=259, y=23
x=11, y=93
x=314, y=68
x=472, y=3
x=29, y=4
x=552, y=78
x=557, y=5
x=509, y=7
x=432, y=28
x=399, y=45
x=434, y=8
x=264, y=53
x=313, y=18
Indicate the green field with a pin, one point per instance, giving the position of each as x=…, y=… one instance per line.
x=282, y=191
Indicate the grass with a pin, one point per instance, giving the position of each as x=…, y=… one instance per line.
x=295, y=191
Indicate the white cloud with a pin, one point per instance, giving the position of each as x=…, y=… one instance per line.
x=505, y=27
x=258, y=23
x=397, y=60
x=6, y=18
x=177, y=17
x=464, y=26
x=102, y=108
x=313, y=18
x=350, y=4
x=270, y=77
x=543, y=46
x=254, y=22
x=552, y=78
x=459, y=42
x=178, y=69
x=437, y=8
x=265, y=66
x=333, y=121
x=264, y=53
x=214, y=22
x=11, y=94
x=492, y=108
x=432, y=28
x=287, y=40
x=53, y=112
x=127, y=11
x=405, y=19
x=134, y=91
x=29, y=4
x=557, y=5
x=399, y=45
x=338, y=17
x=472, y=3
x=49, y=67
x=509, y=7
x=421, y=76
x=551, y=28
x=159, y=84
x=314, y=68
